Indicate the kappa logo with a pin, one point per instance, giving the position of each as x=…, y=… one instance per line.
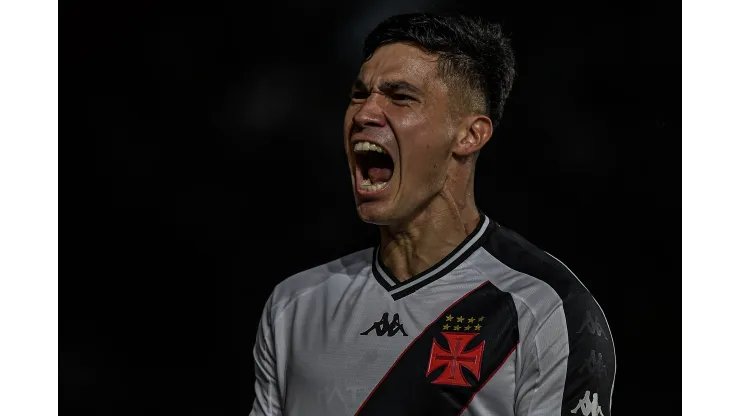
x=457, y=357
x=383, y=327
x=594, y=365
x=592, y=326
x=589, y=407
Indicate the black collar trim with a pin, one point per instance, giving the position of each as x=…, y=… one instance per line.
x=400, y=289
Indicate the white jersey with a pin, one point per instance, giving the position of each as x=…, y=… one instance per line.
x=498, y=327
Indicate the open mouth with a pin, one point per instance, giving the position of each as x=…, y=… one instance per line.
x=374, y=166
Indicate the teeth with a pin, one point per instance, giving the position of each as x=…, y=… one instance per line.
x=368, y=186
x=367, y=146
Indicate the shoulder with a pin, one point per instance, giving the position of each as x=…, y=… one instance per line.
x=566, y=336
x=306, y=282
x=520, y=255
x=544, y=284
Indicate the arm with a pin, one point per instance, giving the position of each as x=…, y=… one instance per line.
x=569, y=366
x=267, y=400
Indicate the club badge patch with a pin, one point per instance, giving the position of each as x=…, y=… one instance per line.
x=459, y=354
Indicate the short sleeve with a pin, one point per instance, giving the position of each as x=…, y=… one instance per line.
x=571, y=365
x=267, y=398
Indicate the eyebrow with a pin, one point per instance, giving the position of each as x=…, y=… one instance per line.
x=388, y=86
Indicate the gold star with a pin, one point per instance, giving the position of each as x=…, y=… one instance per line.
x=456, y=327
x=471, y=320
x=481, y=318
x=448, y=318
x=460, y=319
x=467, y=327
x=446, y=327
x=477, y=327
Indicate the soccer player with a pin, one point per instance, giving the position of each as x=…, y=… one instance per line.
x=451, y=313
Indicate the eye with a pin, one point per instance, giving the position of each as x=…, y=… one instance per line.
x=401, y=97
x=358, y=95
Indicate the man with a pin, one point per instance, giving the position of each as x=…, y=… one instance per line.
x=452, y=313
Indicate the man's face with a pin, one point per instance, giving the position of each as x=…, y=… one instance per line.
x=399, y=105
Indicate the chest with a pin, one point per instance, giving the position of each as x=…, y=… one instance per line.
x=333, y=370
x=417, y=359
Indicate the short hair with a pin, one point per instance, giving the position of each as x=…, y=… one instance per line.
x=473, y=54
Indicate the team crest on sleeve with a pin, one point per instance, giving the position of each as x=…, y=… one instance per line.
x=458, y=332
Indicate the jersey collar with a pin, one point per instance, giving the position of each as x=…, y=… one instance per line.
x=400, y=289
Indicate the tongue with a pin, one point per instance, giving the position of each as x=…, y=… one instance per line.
x=379, y=174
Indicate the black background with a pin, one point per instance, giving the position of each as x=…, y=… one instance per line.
x=204, y=148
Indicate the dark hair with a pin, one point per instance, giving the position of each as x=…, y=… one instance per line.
x=469, y=50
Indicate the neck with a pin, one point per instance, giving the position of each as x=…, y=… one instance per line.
x=418, y=243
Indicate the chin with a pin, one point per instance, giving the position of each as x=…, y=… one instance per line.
x=371, y=213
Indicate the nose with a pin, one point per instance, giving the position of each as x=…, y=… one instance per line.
x=370, y=113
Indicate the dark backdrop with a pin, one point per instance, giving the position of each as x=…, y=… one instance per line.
x=205, y=153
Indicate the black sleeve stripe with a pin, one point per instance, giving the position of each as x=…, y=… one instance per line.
x=614, y=374
x=583, y=318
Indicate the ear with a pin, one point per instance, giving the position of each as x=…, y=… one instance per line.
x=474, y=133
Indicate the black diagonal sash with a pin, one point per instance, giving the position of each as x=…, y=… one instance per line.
x=484, y=317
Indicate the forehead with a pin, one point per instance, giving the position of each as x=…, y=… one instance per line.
x=398, y=61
